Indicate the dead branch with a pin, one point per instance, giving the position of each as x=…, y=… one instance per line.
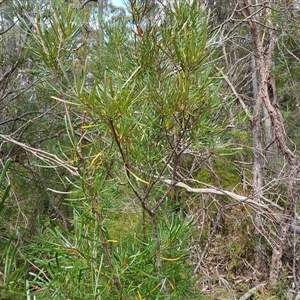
x=242, y=103
x=215, y=191
x=264, y=209
x=252, y=291
x=48, y=158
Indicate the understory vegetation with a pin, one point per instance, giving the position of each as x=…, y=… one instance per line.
x=149, y=151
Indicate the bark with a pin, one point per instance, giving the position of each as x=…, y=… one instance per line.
x=259, y=113
x=257, y=172
x=257, y=184
x=264, y=42
x=269, y=139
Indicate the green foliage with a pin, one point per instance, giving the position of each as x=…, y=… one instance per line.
x=73, y=264
x=130, y=111
x=12, y=269
x=5, y=191
x=148, y=100
x=56, y=35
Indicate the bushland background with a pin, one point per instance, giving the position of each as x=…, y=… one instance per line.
x=149, y=151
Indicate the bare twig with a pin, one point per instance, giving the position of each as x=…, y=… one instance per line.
x=9, y=28
x=11, y=70
x=221, y=192
x=235, y=93
x=48, y=158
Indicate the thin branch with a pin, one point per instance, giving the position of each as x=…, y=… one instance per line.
x=86, y=2
x=127, y=169
x=9, y=28
x=11, y=70
x=20, y=118
x=221, y=192
x=49, y=158
x=291, y=53
x=263, y=208
x=235, y=93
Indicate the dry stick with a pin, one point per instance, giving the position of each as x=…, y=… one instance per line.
x=11, y=70
x=46, y=157
x=252, y=291
x=239, y=198
x=235, y=93
x=227, y=20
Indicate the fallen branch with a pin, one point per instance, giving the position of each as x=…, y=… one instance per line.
x=252, y=291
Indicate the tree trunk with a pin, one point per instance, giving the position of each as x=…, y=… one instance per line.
x=264, y=43
x=257, y=184
x=257, y=172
